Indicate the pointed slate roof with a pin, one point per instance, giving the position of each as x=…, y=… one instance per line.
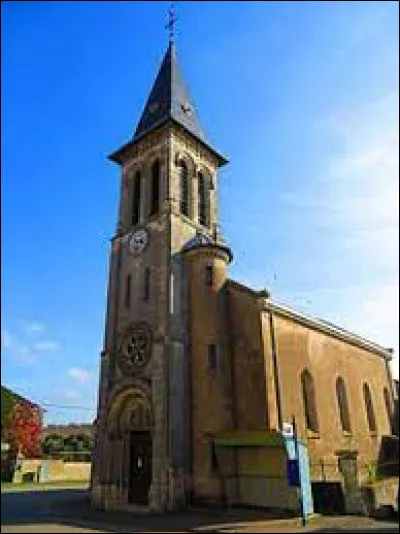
x=170, y=100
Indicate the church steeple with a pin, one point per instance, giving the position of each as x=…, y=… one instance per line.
x=167, y=217
x=169, y=100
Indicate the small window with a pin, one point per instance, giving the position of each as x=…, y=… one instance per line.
x=146, y=288
x=202, y=200
x=213, y=459
x=136, y=198
x=212, y=357
x=183, y=189
x=155, y=188
x=343, y=405
x=369, y=408
x=310, y=408
x=128, y=282
x=209, y=275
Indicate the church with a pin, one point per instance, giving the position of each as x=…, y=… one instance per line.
x=199, y=374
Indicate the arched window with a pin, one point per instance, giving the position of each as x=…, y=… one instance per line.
x=183, y=189
x=202, y=199
x=155, y=187
x=343, y=404
x=310, y=408
x=369, y=408
x=136, y=198
x=388, y=405
x=209, y=275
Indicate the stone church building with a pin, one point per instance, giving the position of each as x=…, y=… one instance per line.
x=199, y=373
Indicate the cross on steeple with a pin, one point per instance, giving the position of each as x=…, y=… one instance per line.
x=171, y=23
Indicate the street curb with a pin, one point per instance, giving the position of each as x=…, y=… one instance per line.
x=290, y=522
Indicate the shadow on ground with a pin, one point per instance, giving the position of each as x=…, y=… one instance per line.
x=71, y=508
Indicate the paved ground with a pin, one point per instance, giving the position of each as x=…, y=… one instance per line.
x=68, y=511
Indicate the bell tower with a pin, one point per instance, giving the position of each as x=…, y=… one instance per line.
x=168, y=195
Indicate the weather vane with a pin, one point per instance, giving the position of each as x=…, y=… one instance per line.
x=171, y=23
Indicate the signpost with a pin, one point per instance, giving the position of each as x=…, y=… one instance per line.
x=293, y=473
x=297, y=461
x=298, y=471
x=287, y=429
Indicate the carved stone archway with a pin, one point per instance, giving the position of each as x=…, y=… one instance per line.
x=128, y=430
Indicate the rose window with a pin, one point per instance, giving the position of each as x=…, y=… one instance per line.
x=136, y=348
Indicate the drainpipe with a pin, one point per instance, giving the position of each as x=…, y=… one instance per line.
x=235, y=417
x=275, y=368
x=392, y=393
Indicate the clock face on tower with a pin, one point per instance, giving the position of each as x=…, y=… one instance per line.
x=138, y=241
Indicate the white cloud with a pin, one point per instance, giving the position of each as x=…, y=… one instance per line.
x=82, y=375
x=358, y=126
x=71, y=394
x=22, y=353
x=34, y=328
x=26, y=351
x=350, y=163
x=6, y=339
x=45, y=346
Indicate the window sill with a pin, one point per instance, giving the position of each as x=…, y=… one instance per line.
x=347, y=434
x=373, y=434
x=312, y=435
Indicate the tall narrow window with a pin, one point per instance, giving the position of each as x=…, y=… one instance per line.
x=155, y=187
x=209, y=275
x=212, y=357
x=343, y=404
x=146, y=287
x=310, y=408
x=128, y=282
x=213, y=459
x=183, y=189
x=369, y=408
x=388, y=406
x=202, y=199
x=136, y=198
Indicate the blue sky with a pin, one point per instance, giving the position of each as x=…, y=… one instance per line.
x=301, y=96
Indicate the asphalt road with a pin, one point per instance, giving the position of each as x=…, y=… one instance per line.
x=68, y=511
x=37, y=511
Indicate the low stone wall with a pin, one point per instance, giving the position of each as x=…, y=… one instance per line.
x=77, y=470
x=26, y=471
x=381, y=495
x=38, y=470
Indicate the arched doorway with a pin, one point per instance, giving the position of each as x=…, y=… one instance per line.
x=130, y=421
